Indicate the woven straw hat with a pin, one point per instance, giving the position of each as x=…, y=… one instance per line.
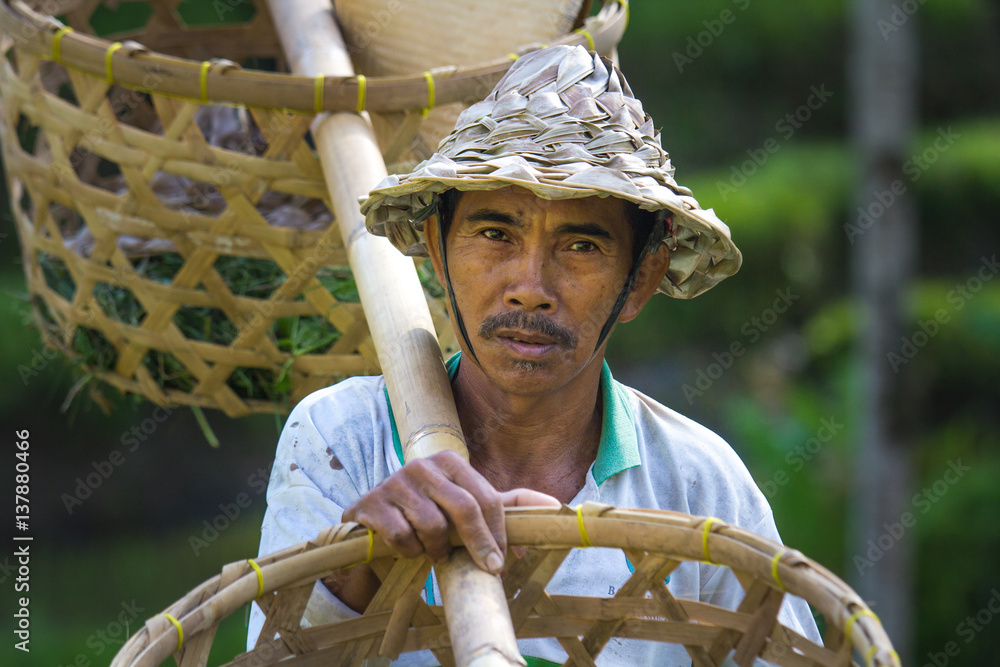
x=562, y=123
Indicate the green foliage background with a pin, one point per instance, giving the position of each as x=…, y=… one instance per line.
x=136, y=537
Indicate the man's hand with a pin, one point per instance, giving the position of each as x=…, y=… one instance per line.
x=412, y=510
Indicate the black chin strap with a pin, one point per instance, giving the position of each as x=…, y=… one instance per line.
x=450, y=291
x=652, y=243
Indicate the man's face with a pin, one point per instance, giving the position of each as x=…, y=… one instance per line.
x=535, y=281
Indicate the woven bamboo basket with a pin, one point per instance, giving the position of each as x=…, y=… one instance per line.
x=69, y=106
x=398, y=621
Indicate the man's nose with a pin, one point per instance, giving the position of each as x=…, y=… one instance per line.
x=530, y=286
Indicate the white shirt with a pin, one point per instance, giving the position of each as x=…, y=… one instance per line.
x=341, y=442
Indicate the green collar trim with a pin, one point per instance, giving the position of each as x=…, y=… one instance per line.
x=619, y=446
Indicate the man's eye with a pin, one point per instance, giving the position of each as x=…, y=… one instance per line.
x=582, y=246
x=494, y=235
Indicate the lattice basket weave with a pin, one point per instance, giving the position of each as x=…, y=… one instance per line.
x=70, y=112
x=656, y=542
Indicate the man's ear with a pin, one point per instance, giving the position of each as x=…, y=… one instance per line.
x=651, y=272
x=431, y=230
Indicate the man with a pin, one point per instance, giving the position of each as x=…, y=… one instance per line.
x=550, y=214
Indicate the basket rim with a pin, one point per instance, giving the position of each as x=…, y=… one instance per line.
x=345, y=544
x=132, y=65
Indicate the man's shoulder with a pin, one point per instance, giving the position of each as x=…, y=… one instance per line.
x=658, y=423
x=349, y=415
x=350, y=397
x=690, y=460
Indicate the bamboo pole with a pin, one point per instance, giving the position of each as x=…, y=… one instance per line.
x=400, y=322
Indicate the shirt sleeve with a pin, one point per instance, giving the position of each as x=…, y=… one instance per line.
x=723, y=589
x=324, y=463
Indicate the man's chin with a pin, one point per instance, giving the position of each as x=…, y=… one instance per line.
x=528, y=367
x=526, y=377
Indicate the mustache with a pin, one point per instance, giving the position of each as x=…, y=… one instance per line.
x=529, y=323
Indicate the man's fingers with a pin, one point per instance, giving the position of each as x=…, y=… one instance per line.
x=392, y=526
x=487, y=498
x=467, y=515
x=430, y=525
x=528, y=498
x=411, y=510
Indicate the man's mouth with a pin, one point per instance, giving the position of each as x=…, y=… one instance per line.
x=530, y=339
x=527, y=336
x=525, y=345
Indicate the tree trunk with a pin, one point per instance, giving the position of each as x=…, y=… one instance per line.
x=883, y=78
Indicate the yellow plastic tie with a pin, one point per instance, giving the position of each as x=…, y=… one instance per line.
x=371, y=550
x=180, y=630
x=853, y=619
x=430, y=92
x=624, y=3
x=205, y=65
x=895, y=658
x=362, y=92
x=107, y=61
x=590, y=38
x=318, y=94
x=57, y=43
x=774, y=568
x=583, y=530
x=260, y=577
x=513, y=56
x=704, y=538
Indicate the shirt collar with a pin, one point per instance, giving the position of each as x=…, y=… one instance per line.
x=619, y=446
